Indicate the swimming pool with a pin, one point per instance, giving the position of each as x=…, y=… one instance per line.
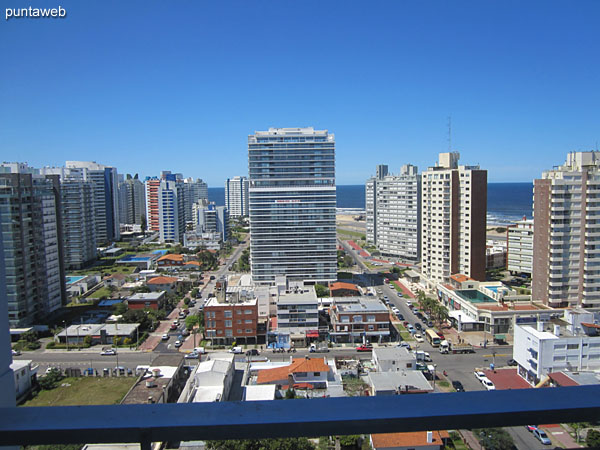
x=73, y=279
x=475, y=296
x=131, y=258
x=160, y=252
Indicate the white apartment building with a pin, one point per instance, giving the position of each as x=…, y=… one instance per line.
x=208, y=218
x=171, y=214
x=298, y=311
x=566, y=233
x=237, y=196
x=194, y=190
x=453, y=220
x=547, y=347
x=520, y=247
x=393, y=212
x=292, y=205
x=132, y=200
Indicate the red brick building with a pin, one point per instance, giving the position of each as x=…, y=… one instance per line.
x=365, y=317
x=150, y=300
x=226, y=322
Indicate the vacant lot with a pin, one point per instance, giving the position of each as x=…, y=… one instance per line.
x=85, y=391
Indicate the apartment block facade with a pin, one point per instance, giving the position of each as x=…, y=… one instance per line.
x=171, y=210
x=292, y=205
x=132, y=200
x=226, y=322
x=393, y=212
x=519, y=239
x=453, y=220
x=566, y=233
x=193, y=190
x=209, y=218
x=152, y=216
x=237, y=196
x=364, y=318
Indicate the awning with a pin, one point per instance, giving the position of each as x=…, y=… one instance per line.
x=312, y=334
x=500, y=337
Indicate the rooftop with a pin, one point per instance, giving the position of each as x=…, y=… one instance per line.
x=408, y=439
x=142, y=296
x=364, y=304
x=171, y=257
x=342, y=285
x=474, y=296
x=298, y=365
x=402, y=381
x=162, y=280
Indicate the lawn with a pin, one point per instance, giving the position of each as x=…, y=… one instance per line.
x=357, y=234
x=103, y=292
x=85, y=391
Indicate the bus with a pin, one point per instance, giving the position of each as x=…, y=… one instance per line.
x=432, y=337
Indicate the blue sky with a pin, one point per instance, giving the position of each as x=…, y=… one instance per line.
x=178, y=85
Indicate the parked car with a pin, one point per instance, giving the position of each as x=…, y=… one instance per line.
x=395, y=310
x=419, y=338
x=173, y=327
x=511, y=362
x=165, y=337
x=252, y=352
x=458, y=387
x=185, y=332
x=400, y=316
x=364, y=348
x=418, y=326
x=192, y=355
x=480, y=375
x=16, y=352
x=108, y=352
x=236, y=350
x=404, y=344
x=212, y=277
x=178, y=344
x=542, y=436
x=530, y=428
x=487, y=383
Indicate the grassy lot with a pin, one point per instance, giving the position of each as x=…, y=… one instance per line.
x=355, y=234
x=85, y=391
x=103, y=292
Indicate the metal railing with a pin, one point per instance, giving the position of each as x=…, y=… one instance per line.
x=147, y=423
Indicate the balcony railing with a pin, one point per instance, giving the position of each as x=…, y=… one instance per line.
x=147, y=423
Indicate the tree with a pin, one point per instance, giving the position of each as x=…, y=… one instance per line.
x=29, y=336
x=351, y=441
x=577, y=427
x=494, y=438
x=290, y=394
x=322, y=291
x=593, y=438
x=264, y=444
x=144, y=225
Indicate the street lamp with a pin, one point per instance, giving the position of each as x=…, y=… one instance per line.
x=434, y=367
x=66, y=334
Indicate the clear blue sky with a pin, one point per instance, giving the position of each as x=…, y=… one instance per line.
x=178, y=85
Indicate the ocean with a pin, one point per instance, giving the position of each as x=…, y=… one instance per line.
x=507, y=202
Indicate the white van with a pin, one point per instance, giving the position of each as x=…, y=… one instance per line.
x=236, y=350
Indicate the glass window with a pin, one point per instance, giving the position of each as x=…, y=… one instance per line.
x=228, y=313
x=228, y=323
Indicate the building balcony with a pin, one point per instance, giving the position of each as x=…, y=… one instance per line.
x=175, y=422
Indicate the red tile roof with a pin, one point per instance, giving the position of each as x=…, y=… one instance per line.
x=407, y=439
x=173, y=257
x=342, y=285
x=298, y=365
x=460, y=278
x=162, y=280
x=590, y=325
x=507, y=379
x=561, y=379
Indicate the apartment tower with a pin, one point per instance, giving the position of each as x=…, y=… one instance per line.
x=292, y=205
x=171, y=210
x=566, y=233
x=132, y=200
x=453, y=219
x=152, y=184
x=393, y=212
x=236, y=196
x=519, y=237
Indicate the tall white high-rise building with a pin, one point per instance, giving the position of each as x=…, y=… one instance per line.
x=105, y=190
x=393, y=212
x=237, y=196
x=453, y=219
x=171, y=212
x=566, y=233
x=194, y=190
x=292, y=205
x=209, y=218
x=519, y=258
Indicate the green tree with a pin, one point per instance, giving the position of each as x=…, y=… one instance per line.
x=29, y=336
x=593, y=438
x=290, y=394
x=351, y=441
x=321, y=290
x=494, y=438
x=264, y=444
x=51, y=379
x=577, y=427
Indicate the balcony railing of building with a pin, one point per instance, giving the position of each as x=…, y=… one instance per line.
x=147, y=423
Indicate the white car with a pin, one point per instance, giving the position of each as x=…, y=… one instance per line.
x=418, y=338
x=480, y=375
x=395, y=310
x=165, y=337
x=487, y=383
x=108, y=352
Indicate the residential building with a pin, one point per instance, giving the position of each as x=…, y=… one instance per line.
x=132, y=200
x=170, y=260
x=33, y=246
x=212, y=379
x=393, y=212
x=25, y=375
x=292, y=205
x=364, y=319
x=160, y=283
x=143, y=300
x=105, y=193
x=302, y=371
x=453, y=220
x=160, y=382
x=519, y=239
x=415, y=440
x=209, y=218
x=297, y=312
x=342, y=289
x=193, y=190
x=393, y=359
x=152, y=216
x=171, y=214
x=495, y=254
x=237, y=196
x=566, y=233
x=398, y=383
x=549, y=347
x=232, y=318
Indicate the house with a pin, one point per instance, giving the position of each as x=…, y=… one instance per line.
x=170, y=261
x=116, y=280
x=393, y=359
x=99, y=334
x=302, y=372
x=401, y=382
x=192, y=265
x=142, y=300
x=167, y=284
x=356, y=318
x=213, y=379
x=161, y=382
x=421, y=440
x=24, y=373
x=342, y=289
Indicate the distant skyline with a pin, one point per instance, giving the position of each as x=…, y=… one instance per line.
x=147, y=86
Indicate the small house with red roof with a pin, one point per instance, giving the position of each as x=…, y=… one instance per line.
x=168, y=284
x=342, y=289
x=170, y=261
x=302, y=373
x=422, y=440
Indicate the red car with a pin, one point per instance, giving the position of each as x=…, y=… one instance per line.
x=173, y=326
x=364, y=348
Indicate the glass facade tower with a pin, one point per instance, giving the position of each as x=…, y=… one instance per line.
x=292, y=205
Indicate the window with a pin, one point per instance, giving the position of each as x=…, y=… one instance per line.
x=228, y=333
x=247, y=311
x=239, y=321
x=572, y=346
x=239, y=331
x=317, y=374
x=248, y=330
x=228, y=313
x=248, y=321
x=238, y=311
x=228, y=323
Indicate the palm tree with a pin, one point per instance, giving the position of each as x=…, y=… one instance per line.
x=440, y=314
